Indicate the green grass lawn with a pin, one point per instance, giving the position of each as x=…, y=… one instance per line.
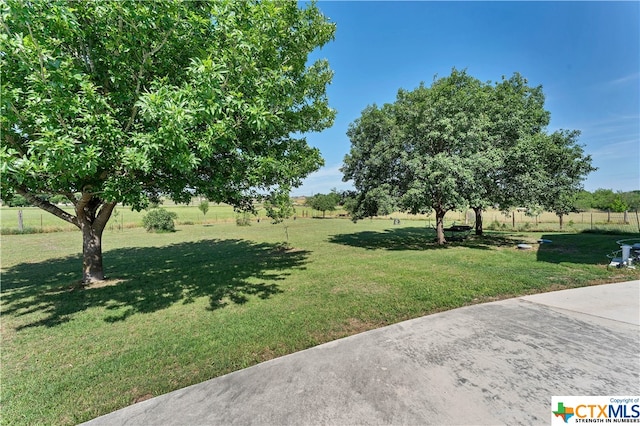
x=184, y=307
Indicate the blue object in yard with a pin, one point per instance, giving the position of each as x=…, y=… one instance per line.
x=543, y=241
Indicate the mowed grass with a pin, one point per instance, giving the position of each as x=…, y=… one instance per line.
x=184, y=307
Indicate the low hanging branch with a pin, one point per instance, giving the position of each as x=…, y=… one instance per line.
x=47, y=206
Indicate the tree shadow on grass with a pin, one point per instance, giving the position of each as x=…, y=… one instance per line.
x=148, y=279
x=416, y=238
x=585, y=248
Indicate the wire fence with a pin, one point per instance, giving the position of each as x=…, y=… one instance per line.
x=34, y=220
x=624, y=222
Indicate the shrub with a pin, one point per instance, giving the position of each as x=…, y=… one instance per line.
x=525, y=227
x=243, y=219
x=494, y=226
x=204, y=207
x=159, y=220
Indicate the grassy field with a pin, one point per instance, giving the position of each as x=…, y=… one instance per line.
x=184, y=307
x=37, y=220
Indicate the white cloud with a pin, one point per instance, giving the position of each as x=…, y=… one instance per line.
x=323, y=181
x=624, y=80
x=617, y=150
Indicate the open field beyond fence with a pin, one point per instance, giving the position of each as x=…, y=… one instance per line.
x=180, y=308
x=36, y=220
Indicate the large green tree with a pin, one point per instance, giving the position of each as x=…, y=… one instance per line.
x=564, y=166
x=124, y=101
x=514, y=110
x=324, y=202
x=462, y=143
x=372, y=163
x=418, y=154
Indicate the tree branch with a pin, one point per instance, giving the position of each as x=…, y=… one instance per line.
x=145, y=56
x=47, y=206
x=104, y=214
x=40, y=59
x=72, y=198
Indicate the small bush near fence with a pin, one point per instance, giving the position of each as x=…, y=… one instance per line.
x=159, y=220
x=243, y=219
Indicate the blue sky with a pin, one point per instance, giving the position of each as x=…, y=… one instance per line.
x=586, y=55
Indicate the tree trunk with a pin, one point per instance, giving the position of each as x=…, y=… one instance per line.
x=92, y=223
x=561, y=216
x=479, y=229
x=440, y=226
x=91, y=254
x=92, y=215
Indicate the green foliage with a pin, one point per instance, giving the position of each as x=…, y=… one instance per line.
x=603, y=199
x=631, y=199
x=606, y=199
x=562, y=167
x=461, y=143
x=534, y=211
x=243, y=219
x=584, y=200
x=495, y=225
x=59, y=199
x=123, y=101
x=159, y=220
x=18, y=201
x=324, y=202
x=204, y=207
x=619, y=205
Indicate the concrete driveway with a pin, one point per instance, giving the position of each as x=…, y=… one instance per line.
x=495, y=363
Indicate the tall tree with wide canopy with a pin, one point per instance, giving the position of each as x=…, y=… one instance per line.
x=373, y=164
x=514, y=111
x=124, y=101
x=419, y=159
x=462, y=143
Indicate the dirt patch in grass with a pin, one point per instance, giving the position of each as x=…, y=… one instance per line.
x=139, y=398
x=351, y=327
x=102, y=284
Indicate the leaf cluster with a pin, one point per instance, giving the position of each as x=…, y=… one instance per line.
x=462, y=143
x=130, y=100
x=324, y=202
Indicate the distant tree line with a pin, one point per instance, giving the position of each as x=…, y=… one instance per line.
x=606, y=199
x=600, y=199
